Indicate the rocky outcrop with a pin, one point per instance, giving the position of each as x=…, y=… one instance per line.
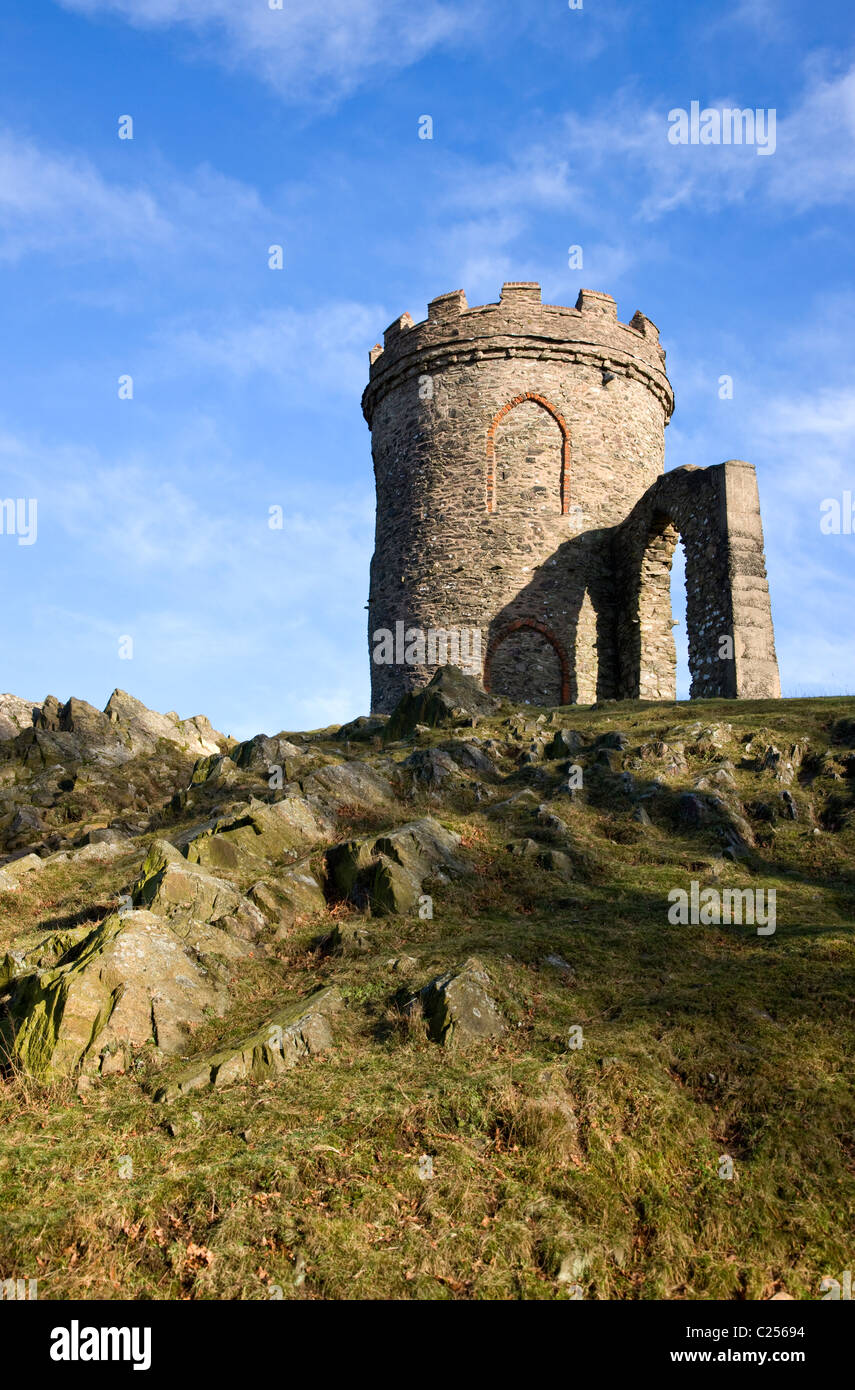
x=70, y=768
x=263, y=754
x=263, y=833
x=301, y=1028
x=144, y=726
x=16, y=715
x=351, y=788
x=450, y=698
x=203, y=910
x=287, y=898
x=124, y=727
x=128, y=982
x=387, y=873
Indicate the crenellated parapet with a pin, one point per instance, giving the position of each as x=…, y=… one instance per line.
x=519, y=326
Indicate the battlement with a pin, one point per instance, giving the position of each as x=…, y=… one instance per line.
x=519, y=325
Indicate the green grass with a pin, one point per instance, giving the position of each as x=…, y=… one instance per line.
x=553, y=1166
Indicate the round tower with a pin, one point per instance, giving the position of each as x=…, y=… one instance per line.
x=508, y=440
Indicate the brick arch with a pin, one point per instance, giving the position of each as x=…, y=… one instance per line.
x=565, y=447
x=544, y=631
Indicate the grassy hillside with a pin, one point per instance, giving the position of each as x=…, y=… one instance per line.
x=523, y=1166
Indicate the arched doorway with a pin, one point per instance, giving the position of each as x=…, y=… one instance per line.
x=526, y=663
x=679, y=609
x=715, y=512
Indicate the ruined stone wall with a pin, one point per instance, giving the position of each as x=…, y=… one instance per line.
x=716, y=513
x=509, y=441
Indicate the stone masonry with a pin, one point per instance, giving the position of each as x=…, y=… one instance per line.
x=521, y=500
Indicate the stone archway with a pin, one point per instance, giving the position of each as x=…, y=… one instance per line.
x=526, y=663
x=716, y=513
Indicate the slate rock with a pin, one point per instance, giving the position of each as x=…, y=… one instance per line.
x=555, y=861
x=431, y=767
x=386, y=872
x=299, y=1029
x=189, y=896
x=450, y=698
x=565, y=742
x=288, y=896
x=127, y=982
x=352, y=787
x=458, y=1008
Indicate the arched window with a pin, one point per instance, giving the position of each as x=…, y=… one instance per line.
x=526, y=456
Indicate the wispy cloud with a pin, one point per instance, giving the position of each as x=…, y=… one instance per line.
x=323, y=349
x=61, y=203
x=304, y=48
x=623, y=151
x=200, y=582
x=766, y=19
x=53, y=202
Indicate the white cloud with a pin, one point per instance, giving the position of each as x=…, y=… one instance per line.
x=59, y=202
x=828, y=415
x=56, y=202
x=812, y=165
x=325, y=348
x=765, y=18
x=816, y=145
x=625, y=153
x=305, y=48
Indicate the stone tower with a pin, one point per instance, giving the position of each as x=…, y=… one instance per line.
x=525, y=526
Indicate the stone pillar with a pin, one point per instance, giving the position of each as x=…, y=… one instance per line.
x=755, y=661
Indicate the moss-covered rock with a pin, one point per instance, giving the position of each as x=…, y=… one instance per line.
x=274, y=833
x=128, y=982
x=450, y=698
x=386, y=873
x=216, y=769
x=287, y=897
x=261, y=754
x=351, y=788
x=299, y=1029
x=189, y=896
x=392, y=887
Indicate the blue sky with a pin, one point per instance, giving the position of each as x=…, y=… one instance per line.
x=299, y=127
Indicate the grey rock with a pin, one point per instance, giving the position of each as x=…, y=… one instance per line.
x=458, y=1008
